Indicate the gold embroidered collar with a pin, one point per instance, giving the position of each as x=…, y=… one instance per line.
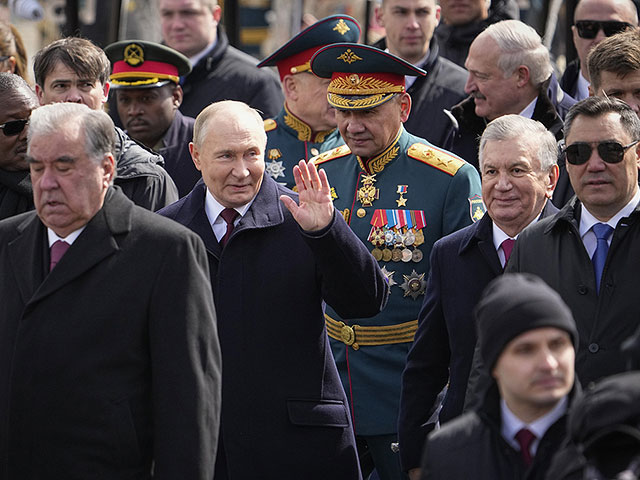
x=377, y=163
x=305, y=134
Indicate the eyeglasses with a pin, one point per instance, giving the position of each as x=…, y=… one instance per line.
x=611, y=152
x=589, y=28
x=14, y=127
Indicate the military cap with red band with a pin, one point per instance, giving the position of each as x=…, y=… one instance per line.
x=293, y=57
x=362, y=77
x=142, y=64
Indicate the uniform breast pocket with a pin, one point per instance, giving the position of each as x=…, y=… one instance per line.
x=318, y=413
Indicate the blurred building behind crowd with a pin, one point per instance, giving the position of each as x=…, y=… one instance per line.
x=256, y=26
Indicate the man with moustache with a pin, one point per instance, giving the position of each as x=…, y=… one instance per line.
x=509, y=72
x=306, y=125
x=17, y=100
x=519, y=172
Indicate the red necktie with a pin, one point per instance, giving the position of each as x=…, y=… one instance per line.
x=228, y=215
x=507, y=247
x=58, y=249
x=525, y=438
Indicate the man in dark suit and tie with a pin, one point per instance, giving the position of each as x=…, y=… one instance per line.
x=285, y=414
x=110, y=364
x=519, y=172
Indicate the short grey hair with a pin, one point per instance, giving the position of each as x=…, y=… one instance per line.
x=524, y=131
x=205, y=118
x=97, y=127
x=520, y=44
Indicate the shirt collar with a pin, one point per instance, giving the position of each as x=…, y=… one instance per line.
x=512, y=424
x=499, y=236
x=213, y=208
x=583, y=87
x=198, y=56
x=529, y=109
x=53, y=237
x=587, y=220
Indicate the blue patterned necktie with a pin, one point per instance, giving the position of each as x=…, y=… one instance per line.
x=602, y=231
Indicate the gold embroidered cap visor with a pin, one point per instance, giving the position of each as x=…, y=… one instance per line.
x=293, y=57
x=142, y=64
x=362, y=77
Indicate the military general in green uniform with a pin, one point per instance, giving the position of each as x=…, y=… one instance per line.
x=306, y=125
x=399, y=194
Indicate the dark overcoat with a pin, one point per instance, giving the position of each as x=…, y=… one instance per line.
x=462, y=265
x=109, y=364
x=553, y=250
x=285, y=414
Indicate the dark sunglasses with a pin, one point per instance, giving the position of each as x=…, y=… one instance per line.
x=611, y=152
x=14, y=127
x=589, y=28
x=4, y=57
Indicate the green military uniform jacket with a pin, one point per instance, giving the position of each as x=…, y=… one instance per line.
x=398, y=203
x=290, y=140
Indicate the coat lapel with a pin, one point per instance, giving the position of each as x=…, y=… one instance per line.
x=482, y=235
x=27, y=254
x=95, y=243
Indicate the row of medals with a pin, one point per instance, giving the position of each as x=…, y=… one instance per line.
x=392, y=244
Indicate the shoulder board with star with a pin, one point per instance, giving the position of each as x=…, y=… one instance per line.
x=436, y=158
x=270, y=124
x=338, y=152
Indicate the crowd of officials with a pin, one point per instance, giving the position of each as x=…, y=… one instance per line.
x=411, y=260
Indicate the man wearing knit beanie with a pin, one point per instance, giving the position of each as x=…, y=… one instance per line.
x=527, y=340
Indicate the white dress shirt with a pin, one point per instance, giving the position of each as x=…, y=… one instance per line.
x=213, y=209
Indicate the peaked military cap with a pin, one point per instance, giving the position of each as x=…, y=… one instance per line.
x=362, y=77
x=293, y=57
x=142, y=64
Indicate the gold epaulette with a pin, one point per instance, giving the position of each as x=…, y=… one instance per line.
x=435, y=157
x=270, y=124
x=338, y=152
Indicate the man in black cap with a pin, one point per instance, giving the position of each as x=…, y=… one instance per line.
x=399, y=194
x=527, y=339
x=306, y=125
x=146, y=78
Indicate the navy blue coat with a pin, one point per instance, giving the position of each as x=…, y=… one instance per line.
x=177, y=159
x=285, y=414
x=462, y=264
